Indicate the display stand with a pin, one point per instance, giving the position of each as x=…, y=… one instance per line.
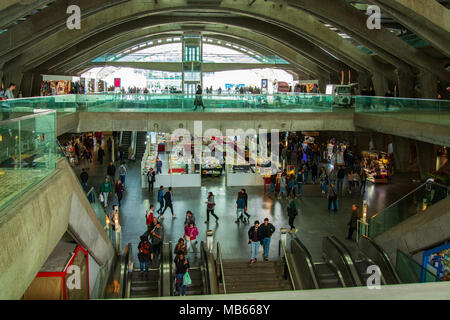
x=376, y=165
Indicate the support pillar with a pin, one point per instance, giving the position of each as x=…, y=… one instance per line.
x=380, y=84
x=403, y=158
x=428, y=85
x=364, y=81
x=26, y=85
x=378, y=141
x=406, y=82
x=426, y=156
x=323, y=85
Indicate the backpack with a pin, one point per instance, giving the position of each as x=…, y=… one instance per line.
x=145, y=248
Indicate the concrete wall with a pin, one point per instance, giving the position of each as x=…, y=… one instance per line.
x=31, y=227
x=418, y=232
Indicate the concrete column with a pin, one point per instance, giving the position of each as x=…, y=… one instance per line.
x=428, y=85
x=406, y=82
x=26, y=85
x=36, y=87
x=402, y=155
x=380, y=84
x=426, y=155
x=323, y=85
x=13, y=76
x=378, y=141
x=364, y=81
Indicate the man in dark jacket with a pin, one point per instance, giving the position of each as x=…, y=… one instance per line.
x=111, y=172
x=353, y=222
x=157, y=239
x=332, y=197
x=340, y=179
x=245, y=196
x=255, y=236
x=101, y=153
x=151, y=179
x=268, y=229
x=160, y=199
x=168, y=200
x=181, y=267
x=84, y=179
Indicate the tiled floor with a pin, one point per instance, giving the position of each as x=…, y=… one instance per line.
x=314, y=221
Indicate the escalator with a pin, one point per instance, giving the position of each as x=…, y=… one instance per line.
x=340, y=268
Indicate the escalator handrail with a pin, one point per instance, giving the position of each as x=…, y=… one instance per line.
x=125, y=279
x=349, y=274
x=383, y=255
x=210, y=285
x=165, y=271
x=312, y=272
x=288, y=264
x=219, y=259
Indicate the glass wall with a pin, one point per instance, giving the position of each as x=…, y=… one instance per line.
x=28, y=153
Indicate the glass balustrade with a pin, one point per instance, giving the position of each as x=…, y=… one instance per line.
x=28, y=153
x=417, y=201
x=410, y=271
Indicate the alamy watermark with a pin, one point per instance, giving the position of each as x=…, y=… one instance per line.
x=374, y=19
x=74, y=20
x=374, y=280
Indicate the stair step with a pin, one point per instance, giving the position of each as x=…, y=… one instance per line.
x=144, y=294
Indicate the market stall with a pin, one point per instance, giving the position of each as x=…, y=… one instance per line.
x=211, y=167
x=377, y=166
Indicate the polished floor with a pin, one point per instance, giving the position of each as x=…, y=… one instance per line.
x=314, y=221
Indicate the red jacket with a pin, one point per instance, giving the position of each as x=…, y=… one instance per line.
x=149, y=217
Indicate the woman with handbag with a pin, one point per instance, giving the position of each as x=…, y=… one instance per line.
x=181, y=270
x=210, y=205
x=190, y=234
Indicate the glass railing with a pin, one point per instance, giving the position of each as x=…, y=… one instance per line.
x=424, y=110
x=416, y=202
x=113, y=102
x=410, y=271
x=97, y=206
x=28, y=153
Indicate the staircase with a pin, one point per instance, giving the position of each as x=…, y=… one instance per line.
x=144, y=284
x=241, y=276
x=140, y=144
x=126, y=141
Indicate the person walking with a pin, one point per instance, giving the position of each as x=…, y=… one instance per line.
x=273, y=185
x=332, y=198
x=189, y=218
x=282, y=186
x=340, y=179
x=240, y=206
x=190, y=234
x=198, y=101
x=157, y=239
x=353, y=222
x=122, y=172
x=144, y=253
x=111, y=172
x=105, y=189
x=151, y=180
x=87, y=157
x=158, y=166
x=100, y=154
x=181, y=268
x=314, y=172
x=168, y=197
x=255, y=236
x=350, y=181
x=300, y=181
x=363, y=181
x=84, y=179
x=291, y=186
x=160, y=199
x=181, y=246
x=323, y=178
x=245, y=195
x=268, y=229
x=210, y=205
x=292, y=213
x=119, y=190
x=149, y=215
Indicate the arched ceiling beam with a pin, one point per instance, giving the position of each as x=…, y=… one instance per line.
x=13, y=10
x=254, y=41
x=299, y=21
x=91, y=43
x=429, y=20
x=384, y=43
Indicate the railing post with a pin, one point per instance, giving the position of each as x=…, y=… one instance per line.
x=210, y=240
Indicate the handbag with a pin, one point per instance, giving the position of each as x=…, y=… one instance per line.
x=187, y=279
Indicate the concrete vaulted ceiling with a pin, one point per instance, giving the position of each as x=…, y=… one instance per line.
x=293, y=29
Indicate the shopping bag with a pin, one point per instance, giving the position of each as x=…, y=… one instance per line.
x=187, y=279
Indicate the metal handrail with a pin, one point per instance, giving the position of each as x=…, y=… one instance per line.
x=124, y=269
x=222, y=276
x=407, y=195
x=130, y=267
x=306, y=260
x=282, y=248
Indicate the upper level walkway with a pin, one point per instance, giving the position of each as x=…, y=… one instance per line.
x=422, y=119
